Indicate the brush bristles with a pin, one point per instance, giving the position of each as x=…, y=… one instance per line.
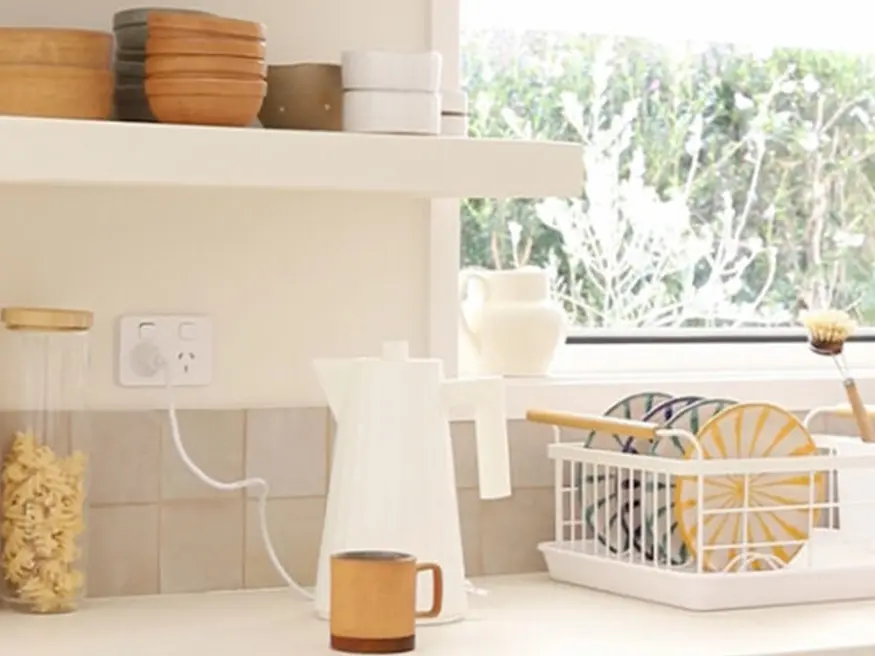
x=828, y=330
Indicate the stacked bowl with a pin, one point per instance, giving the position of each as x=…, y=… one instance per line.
x=55, y=73
x=196, y=68
x=131, y=30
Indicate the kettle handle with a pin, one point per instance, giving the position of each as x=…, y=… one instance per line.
x=486, y=396
x=465, y=280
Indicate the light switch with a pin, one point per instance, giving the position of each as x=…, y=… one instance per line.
x=147, y=330
x=187, y=330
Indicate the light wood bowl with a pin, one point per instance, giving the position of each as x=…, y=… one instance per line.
x=205, y=66
x=206, y=25
x=55, y=47
x=159, y=43
x=56, y=92
x=205, y=101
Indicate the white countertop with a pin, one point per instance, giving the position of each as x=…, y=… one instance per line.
x=521, y=616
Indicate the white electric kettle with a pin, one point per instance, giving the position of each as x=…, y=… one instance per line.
x=393, y=485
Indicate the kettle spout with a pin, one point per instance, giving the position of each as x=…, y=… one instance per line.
x=486, y=396
x=335, y=376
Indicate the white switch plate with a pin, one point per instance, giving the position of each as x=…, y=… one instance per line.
x=185, y=341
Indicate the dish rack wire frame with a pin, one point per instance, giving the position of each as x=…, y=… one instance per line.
x=835, y=564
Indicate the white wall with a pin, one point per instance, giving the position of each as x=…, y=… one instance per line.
x=286, y=277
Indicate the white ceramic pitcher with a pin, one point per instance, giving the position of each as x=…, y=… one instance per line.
x=510, y=320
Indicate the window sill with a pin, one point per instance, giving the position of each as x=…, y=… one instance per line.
x=797, y=390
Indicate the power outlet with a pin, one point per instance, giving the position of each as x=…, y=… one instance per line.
x=185, y=342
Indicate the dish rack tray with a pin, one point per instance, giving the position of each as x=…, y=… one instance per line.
x=616, y=529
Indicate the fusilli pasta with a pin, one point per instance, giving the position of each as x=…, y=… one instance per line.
x=43, y=498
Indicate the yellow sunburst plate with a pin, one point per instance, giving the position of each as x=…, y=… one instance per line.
x=770, y=528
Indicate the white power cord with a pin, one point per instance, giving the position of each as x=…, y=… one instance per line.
x=147, y=359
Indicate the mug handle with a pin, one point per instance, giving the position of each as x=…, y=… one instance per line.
x=464, y=283
x=437, y=603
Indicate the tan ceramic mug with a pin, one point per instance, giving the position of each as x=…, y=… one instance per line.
x=373, y=601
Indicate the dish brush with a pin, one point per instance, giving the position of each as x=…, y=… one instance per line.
x=828, y=330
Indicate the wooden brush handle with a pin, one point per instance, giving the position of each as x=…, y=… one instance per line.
x=639, y=429
x=845, y=410
x=859, y=411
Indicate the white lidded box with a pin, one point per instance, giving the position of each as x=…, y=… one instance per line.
x=392, y=112
x=454, y=113
x=454, y=103
x=454, y=125
x=391, y=71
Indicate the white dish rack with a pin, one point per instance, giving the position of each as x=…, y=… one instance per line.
x=835, y=563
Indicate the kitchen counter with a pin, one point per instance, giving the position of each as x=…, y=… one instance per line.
x=520, y=616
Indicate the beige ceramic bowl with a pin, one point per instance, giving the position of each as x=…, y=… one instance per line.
x=56, y=92
x=55, y=47
x=303, y=97
x=205, y=101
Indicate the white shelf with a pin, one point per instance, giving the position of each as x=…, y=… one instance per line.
x=61, y=152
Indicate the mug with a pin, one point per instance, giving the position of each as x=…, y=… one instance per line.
x=373, y=601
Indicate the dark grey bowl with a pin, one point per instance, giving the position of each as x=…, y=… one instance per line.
x=139, y=15
x=130, y=70
x=134, y=113
x=131, y=95
x=132, y=56
x=132, y=37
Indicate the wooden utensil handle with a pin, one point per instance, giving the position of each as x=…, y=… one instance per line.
x=632, y=428
x=845, y=410
x=859, y=410
x=437, y=599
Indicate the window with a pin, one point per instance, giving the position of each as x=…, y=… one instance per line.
x=730, y=173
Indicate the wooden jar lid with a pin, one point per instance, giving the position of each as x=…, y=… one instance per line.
x=52, y=319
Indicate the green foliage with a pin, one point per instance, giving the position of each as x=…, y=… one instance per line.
x=725, y=187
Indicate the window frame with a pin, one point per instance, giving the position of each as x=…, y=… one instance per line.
x=585, y=375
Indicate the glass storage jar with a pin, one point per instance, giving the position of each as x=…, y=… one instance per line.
x=42, y=479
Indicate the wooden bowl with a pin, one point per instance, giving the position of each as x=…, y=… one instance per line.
x=303, y=97
x=140, y=15
x=56, y=92
x=161, y=44
x=206, y=25
x=205, y=101
x=205, y=66
x=55, y=47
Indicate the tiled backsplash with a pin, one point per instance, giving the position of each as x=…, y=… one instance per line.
x=153, y=527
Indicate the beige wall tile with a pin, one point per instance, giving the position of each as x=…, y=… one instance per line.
x=512, y=528
x=295, y=527
x=124, y=450
x=469, y=520
x=214, y=439
x=464, y=454
x=529, y=464
x=123, y=550
x=202, y=545
x=287, y=447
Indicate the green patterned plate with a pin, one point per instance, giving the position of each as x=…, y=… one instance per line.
x=660, y=539
x=606, y=490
